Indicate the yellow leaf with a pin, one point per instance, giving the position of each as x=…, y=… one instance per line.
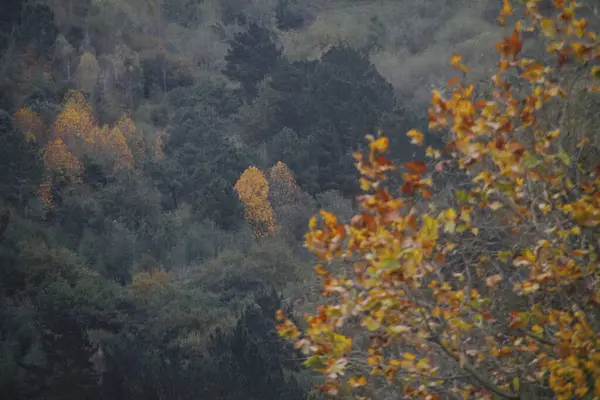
x=429, y=229
x=548, y=27
x=358, y=381
x=416, y=136
x=380, y=145
x=371, y=324
x=537, y=329
x=399, y=329
x=456, y=59
x=410, y=356
x=449, y=217
x=495, y=206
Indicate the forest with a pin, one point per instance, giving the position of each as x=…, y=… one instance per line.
x=161, y=163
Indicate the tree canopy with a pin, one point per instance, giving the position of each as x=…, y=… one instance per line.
x=489, y=293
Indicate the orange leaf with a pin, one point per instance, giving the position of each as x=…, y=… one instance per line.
x=506, y=8
x=321, y=271
x=456, y=59
x=453, y=81
x=418, y=167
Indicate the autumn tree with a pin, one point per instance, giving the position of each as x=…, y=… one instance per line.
x=30, y=123
x=291, y=205
x=283, y=188
x=76, y=119
x=116, y=144
x=59, y=161
x=493, y=293
x=253, y=191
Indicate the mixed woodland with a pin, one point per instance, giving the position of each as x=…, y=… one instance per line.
x=160, y=162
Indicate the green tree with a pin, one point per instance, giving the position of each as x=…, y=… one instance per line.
x=252, y=56
x=329, y=103
x=21, y=164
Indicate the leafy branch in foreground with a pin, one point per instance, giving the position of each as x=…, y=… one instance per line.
x=495, y=294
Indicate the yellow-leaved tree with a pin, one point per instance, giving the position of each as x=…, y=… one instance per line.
x=30, y=123
x=61, y=163
x=79, y=129
x=253, y=191
x=76, y=120
x=493, y=292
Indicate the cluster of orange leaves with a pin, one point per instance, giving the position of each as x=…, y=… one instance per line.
x=424, y=323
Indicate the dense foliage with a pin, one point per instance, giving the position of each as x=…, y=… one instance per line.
x=493, y=292
x=160, y=160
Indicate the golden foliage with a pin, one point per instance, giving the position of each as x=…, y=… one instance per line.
x=253, y=191
x=133, y=137
x=76, y=119
x=77, y=125
x=449, y=318
x=30, y=123
x=116, y=142
x=59, y=160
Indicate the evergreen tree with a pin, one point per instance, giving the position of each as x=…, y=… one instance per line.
x=252, y=56
x=21, y=165
x=331, y=103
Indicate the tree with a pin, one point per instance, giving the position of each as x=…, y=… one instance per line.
x=283, y=188
x=60, y=162
x=250, y=362
x=291, y=15
x=493, y=293
x=30, y=124
x=87, y=72
x=9, y=19
x=291, y=206
x=201, y=165
x=49, y=304
x=77, y=127
x=253, y=191
x=252, y=56
x=116, y=143
x=330, y=103
x=76, y=119
x=38, y=27
x=21, y=164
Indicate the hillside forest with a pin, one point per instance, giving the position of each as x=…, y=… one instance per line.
x=160, y=162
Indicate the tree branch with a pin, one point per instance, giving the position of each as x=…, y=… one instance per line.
x=485, y=382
